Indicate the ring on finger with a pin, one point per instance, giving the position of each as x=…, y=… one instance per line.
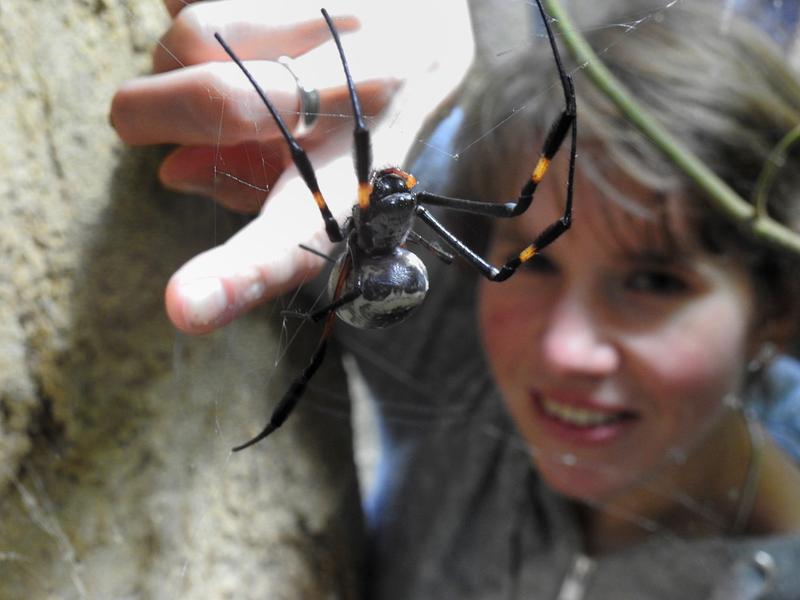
x=308, y=111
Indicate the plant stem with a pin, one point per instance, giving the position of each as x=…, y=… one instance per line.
x=719, y=193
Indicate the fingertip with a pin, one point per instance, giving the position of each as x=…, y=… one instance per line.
x=116, y=109
x=196, y=306
x=128, y=112
x=198, y=303
x=345, y=23
x=188, y=169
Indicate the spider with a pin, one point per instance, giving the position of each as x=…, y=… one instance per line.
x=376, y=282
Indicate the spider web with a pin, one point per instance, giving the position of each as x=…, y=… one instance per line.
x=435, y=406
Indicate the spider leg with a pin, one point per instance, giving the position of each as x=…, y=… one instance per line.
x=514, y=208
x=550, y=234
x=299, y=156
x=361, y=137
x=299, y=385
x=441, y=253
x=555, y=138
x=565, y=123
x=323, y=312
x=316, y=252
x=296, y=389
x=492, y=273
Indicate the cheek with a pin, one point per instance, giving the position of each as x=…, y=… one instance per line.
x=503, y=319
x=695, y=362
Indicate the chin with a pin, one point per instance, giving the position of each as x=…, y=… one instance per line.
x=583, y=482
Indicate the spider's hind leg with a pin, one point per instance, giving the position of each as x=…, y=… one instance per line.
x=295, y=391
x=298, y=387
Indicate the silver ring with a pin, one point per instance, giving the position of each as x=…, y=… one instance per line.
x=308, y=111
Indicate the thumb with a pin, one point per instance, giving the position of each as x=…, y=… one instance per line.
x=260, y=262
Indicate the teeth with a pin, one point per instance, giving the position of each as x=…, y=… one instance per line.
x=580, y=417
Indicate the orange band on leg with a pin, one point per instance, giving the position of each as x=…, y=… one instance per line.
x=527, y=254
x=320, y=200
x=364, y=191
x=540, y=169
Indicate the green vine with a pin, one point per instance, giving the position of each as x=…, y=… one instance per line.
x=774, y=162
x=719, y=193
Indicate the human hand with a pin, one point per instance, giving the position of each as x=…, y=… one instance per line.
x=228, y=146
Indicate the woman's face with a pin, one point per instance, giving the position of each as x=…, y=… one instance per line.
x=614, y=349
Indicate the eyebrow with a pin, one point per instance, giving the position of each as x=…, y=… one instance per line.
x=653, y=245
x=659, y=257
x=647, y=255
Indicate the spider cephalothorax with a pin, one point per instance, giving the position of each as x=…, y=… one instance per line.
x=376, y=281
x=384, y=224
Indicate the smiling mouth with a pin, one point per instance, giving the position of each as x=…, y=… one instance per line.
x=581, y=417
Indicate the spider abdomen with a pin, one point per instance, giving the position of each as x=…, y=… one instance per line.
x=391, y=286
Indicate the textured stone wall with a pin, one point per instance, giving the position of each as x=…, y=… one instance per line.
x=116, y=479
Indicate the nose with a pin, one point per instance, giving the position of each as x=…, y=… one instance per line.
x=575, y=341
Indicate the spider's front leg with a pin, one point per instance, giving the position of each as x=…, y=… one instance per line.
x=508, y=210
x=476, y=260
x=565, y=123
x=298, y=154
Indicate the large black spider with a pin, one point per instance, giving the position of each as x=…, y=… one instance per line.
x=377, y=282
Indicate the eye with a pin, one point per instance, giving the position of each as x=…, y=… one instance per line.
x=541, y=265
x=657, y=281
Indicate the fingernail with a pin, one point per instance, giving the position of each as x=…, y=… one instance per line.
x=392, y=85
x=188, y=187
x=204, y=300
x=172, y=176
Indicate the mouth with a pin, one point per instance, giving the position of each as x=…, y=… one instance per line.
x=580, y=417
x=579, y=420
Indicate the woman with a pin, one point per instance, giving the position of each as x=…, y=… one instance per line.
x=627, y=354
